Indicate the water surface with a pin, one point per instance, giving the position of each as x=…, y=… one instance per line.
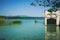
x=29, y=30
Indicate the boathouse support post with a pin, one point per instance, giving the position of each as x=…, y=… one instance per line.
x=45, y=21
x=57, y=21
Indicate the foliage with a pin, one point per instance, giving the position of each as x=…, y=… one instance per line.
x=16, y=22
x=4, y=22
x=50, y=10
x=54, y=4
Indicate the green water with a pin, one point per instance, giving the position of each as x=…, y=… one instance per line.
x=52, y=32
x=29, y=30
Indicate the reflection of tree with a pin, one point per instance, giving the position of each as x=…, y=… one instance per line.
x=52, y=32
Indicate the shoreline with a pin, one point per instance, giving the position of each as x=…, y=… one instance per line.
x=18, y=17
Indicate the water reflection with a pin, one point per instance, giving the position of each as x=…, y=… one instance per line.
x=52, y=32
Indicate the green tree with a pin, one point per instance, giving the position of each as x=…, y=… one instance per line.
x=53, y=4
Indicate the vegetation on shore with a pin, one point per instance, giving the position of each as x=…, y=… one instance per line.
x=16, y=22
x=19, y=17
x=5, y=22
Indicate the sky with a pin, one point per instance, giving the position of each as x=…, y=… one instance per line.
x=20, y=8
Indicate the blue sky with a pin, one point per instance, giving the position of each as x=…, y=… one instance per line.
x=20, y=8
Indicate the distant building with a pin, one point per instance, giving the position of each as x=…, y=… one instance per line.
x=55, y=19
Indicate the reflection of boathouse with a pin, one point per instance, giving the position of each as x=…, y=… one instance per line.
x=52, y=32
x=53, y=19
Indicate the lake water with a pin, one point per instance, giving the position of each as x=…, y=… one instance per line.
x=29, y=30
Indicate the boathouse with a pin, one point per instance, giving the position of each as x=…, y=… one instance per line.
x=53, y=19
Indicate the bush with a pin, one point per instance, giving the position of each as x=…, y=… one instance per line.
x=16, y=22
x=3, y=22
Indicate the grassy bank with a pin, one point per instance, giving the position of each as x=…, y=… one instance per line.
x=5, y=22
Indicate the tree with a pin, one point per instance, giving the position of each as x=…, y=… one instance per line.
x=53, y=4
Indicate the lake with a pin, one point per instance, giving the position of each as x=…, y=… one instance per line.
x=29, y=30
